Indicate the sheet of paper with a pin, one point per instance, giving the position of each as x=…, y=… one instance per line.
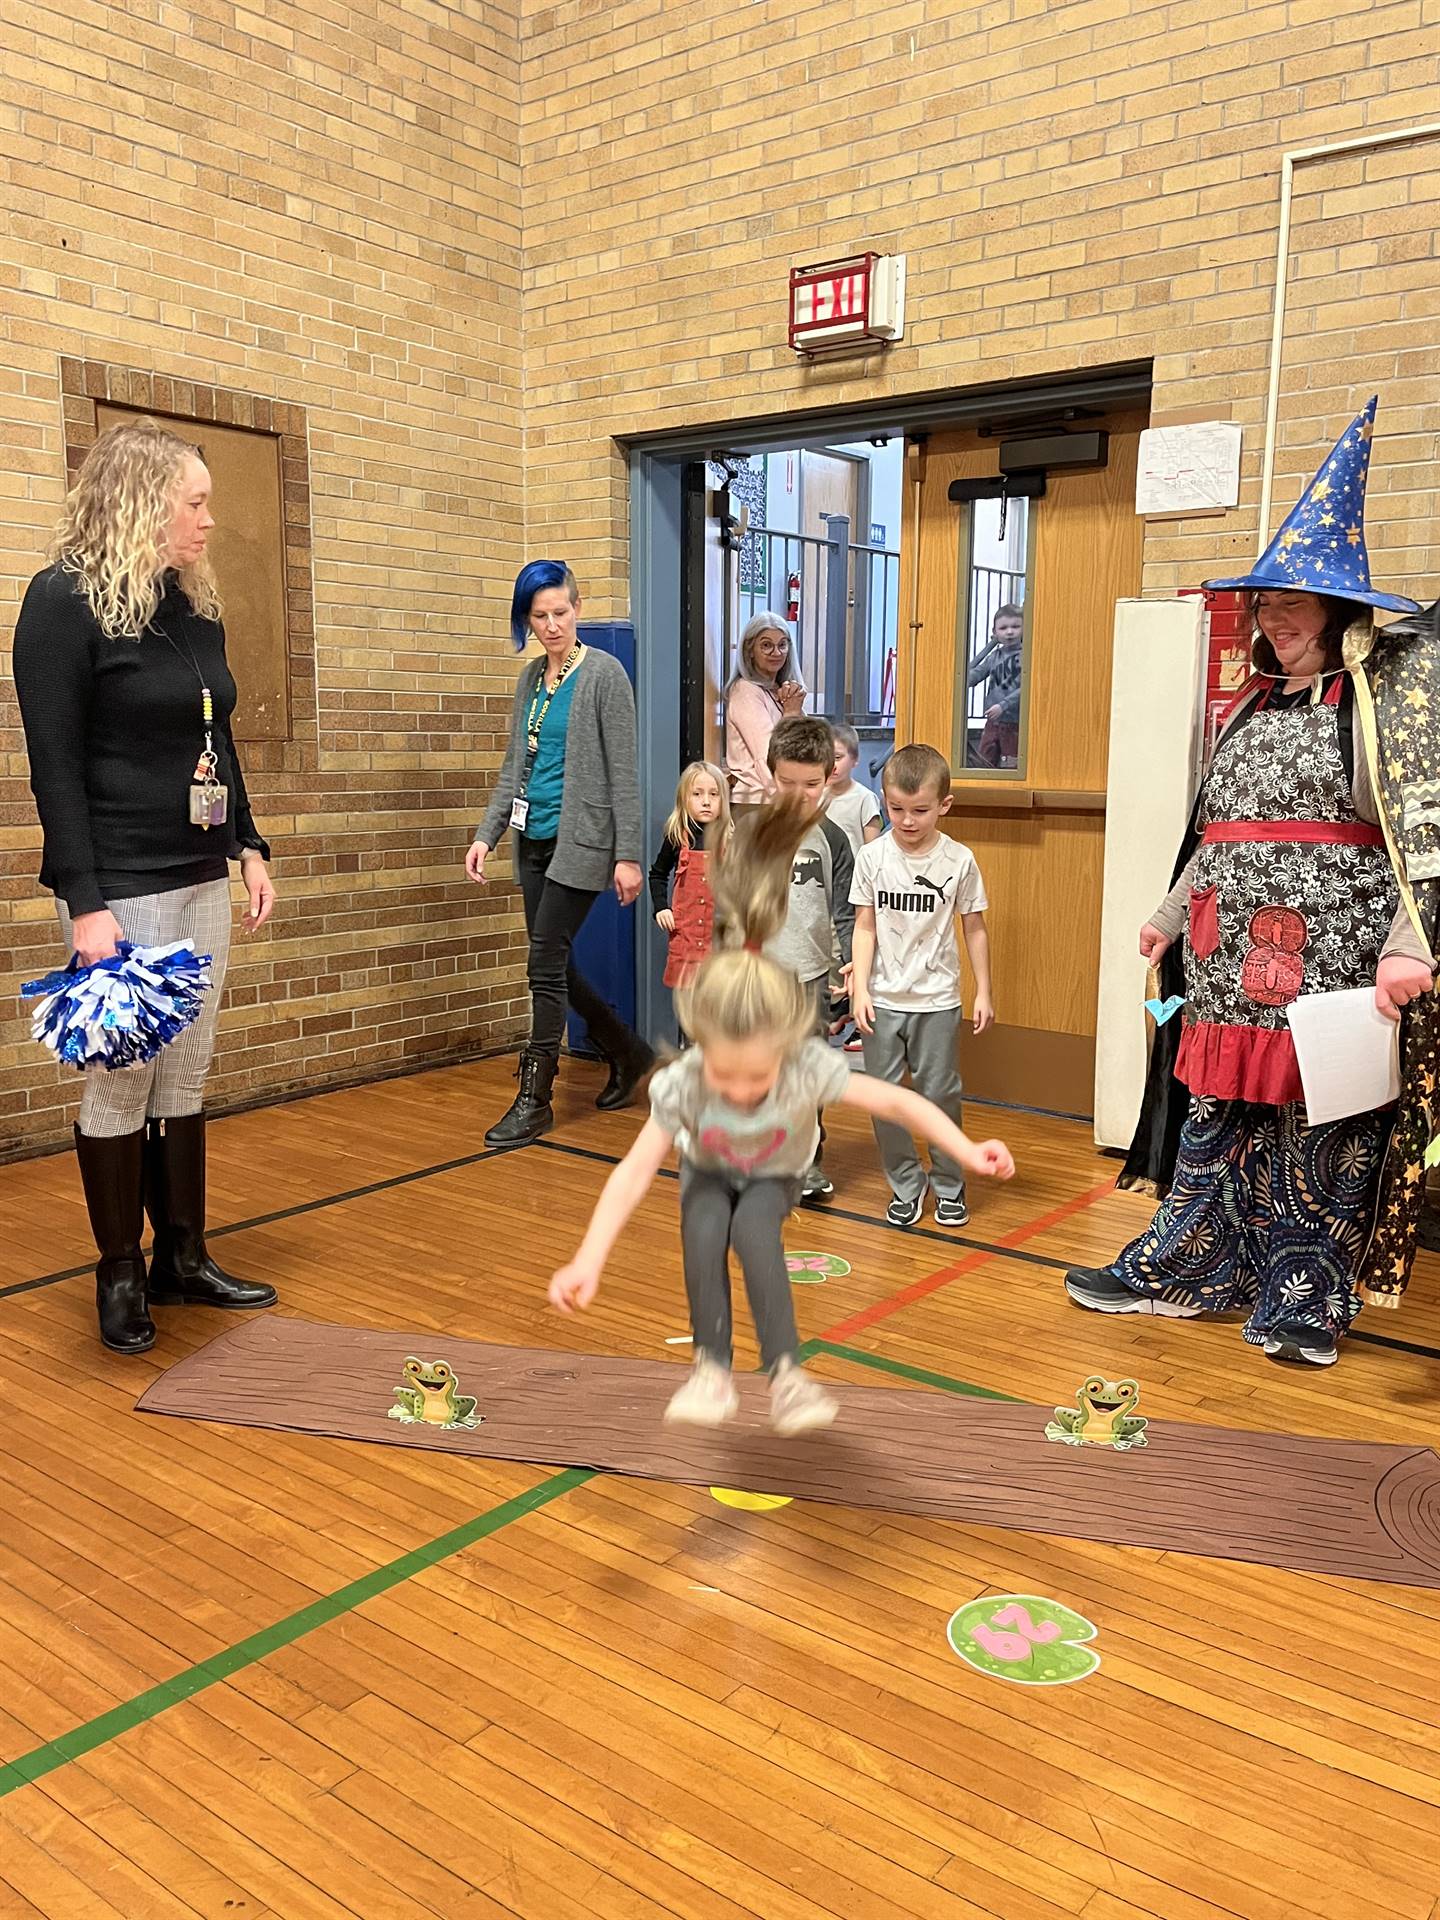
x=1192, y=467
x=1348, y=1052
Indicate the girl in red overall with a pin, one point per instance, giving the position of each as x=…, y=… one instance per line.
x=1289, y=890
x=701, y=814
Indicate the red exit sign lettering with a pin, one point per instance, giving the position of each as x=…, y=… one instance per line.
x=835, y=303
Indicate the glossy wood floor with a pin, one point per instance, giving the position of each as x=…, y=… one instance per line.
x=623, y=1699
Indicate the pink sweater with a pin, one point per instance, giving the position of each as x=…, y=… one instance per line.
x=751, y=712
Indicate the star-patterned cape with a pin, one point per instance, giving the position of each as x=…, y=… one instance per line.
x=1321, y=547
x=1397, y=682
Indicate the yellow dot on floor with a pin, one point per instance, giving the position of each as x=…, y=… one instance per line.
x=750, y=1502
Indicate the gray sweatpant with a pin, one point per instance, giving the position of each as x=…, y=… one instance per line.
x=717, y=1213
x=173, y=1083
x=929, y=1045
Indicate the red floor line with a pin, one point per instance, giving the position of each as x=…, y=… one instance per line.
x=918, y=1289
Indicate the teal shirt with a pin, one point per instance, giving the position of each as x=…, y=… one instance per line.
x=547, y=776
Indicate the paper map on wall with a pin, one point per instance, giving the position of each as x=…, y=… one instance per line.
x=1192, y=469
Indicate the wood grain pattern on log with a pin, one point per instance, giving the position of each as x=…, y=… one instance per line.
x=1353, y=1508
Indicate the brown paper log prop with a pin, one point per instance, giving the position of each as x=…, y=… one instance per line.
x=1355, y=1508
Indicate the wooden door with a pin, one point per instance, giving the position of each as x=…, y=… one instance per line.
x=1038, y=832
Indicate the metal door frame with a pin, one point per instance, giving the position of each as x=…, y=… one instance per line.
x=664, y=649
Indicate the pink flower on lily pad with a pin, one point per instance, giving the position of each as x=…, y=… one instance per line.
x=811, y=1269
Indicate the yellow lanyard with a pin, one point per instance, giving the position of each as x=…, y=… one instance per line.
x=534, y=723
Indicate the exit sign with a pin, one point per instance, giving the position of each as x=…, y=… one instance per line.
x=839, y=303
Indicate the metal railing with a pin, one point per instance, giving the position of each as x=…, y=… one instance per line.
x=990, y=589
x=845, y=594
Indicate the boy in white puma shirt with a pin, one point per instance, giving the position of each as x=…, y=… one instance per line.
x=910, y=889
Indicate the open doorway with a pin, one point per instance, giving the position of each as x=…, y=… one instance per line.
x=975, y=614
x=810, y=537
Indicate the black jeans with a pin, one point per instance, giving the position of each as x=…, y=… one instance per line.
x=554, y=915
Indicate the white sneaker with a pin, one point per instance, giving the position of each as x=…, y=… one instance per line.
x=707, y=1399
x=799, y=1404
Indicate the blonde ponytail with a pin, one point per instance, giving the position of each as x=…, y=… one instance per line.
x=738, y=994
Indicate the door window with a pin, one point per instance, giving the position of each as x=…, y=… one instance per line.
x=993, y=645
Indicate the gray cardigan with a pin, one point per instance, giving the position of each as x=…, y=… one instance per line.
x=600, y=803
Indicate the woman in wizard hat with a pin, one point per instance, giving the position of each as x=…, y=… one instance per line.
x=1284, y=887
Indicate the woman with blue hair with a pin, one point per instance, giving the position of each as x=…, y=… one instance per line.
x=569, y=787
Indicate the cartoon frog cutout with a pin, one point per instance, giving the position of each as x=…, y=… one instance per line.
x=1103, y=1417
x=431, y=1397
x=1272, y=972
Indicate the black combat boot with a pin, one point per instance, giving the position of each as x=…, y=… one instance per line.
x=627, y=1069
x=530, y=1114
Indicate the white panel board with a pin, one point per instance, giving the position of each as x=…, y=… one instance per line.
x=1156, y=705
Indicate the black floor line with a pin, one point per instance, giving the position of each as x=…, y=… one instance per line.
x=1400, y=1346
x=290, y=1213
x=612, y=1160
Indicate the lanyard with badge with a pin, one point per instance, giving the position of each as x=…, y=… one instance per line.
x=534, y=721
x=209, y=799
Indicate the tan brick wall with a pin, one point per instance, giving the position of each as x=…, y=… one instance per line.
x=325, y=207
x=319, y=206
x=1075, y=183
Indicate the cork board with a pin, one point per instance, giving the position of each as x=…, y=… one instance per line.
x=1352, y=1508
x=247, y=551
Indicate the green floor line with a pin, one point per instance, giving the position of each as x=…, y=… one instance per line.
x=231, y=1660
x=921, y=1375
x=220, y=1666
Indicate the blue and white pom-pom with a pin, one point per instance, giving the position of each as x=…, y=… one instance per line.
x=119, y=1012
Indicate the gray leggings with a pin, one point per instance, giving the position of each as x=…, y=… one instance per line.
x=173, y=1084
x=716, y=1214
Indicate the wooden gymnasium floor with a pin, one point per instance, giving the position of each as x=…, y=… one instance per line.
x=280, y=1678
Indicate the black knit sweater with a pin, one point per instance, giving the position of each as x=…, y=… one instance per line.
x=113, y=730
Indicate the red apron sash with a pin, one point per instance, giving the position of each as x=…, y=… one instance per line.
x=1314, y=833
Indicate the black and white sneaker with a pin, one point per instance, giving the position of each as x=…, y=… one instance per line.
x=816, y=1184
x=1101, y=1292
x=906, y=1213
x=951, y=1213
x=1309, y=1346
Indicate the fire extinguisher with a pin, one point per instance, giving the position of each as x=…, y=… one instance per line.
x=792, y=598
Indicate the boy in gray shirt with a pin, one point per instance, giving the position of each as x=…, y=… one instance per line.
x=801, y=757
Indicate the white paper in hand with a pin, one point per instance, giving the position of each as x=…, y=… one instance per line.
x=1349, y=1053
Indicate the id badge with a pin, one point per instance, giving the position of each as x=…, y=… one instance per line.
x=519, y=813
x=209, y=805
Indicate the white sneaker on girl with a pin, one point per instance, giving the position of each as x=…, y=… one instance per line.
x=798, y=1404
x=707, y=1399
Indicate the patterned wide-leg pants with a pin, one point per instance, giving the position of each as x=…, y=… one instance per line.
x=1264, y=1213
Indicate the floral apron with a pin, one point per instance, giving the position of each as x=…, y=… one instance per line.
x=693, y=906
x=1292, y=893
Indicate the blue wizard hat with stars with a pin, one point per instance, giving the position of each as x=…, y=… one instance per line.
x=1321, y=547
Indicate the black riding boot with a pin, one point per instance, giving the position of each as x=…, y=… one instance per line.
x=627, y=1070
x=181, y=1270
x=112, y=1174
x=530, y=1113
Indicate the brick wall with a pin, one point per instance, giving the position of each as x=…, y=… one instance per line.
x=1075, y=182
x=319, y=207
x=325, y=208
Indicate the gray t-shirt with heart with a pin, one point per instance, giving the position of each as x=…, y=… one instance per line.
x=777, y=1141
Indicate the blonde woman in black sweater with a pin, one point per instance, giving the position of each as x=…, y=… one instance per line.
x=126, y=700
